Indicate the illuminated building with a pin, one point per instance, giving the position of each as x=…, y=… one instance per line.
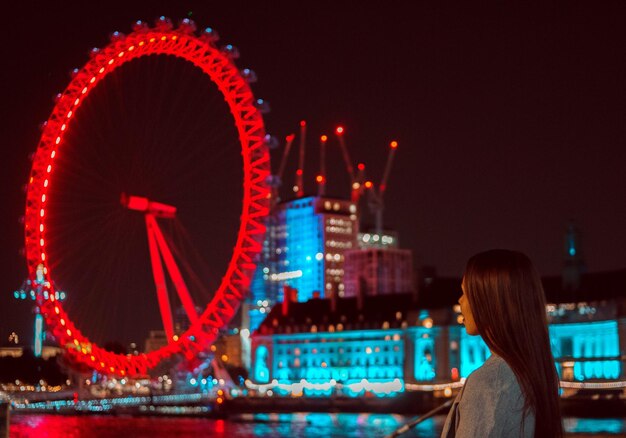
x=228, y=349
x=379, y=271
x=304, y=250
x=586, y=342
x=47, y=351
x=357, y=344
x=387, y=344
x=378, y=266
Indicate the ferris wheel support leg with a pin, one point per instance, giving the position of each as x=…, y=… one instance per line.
x=175, y=274
x=159, y=279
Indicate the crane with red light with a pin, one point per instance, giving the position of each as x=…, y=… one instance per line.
x=321, y=178
x=276, y=179
x=299, y=188
x=375, y=196
x=359, y=185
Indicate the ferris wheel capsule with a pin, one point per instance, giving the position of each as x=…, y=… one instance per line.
x=187, y=26
x=249, y=75
x=74, y=72
x=262, y=105
x=163, y=23
x=231, y=51
x=210, y=35
x=93, y=52
x=271, y=141
x=274, y=180
x=116, y=36
x=140, y=26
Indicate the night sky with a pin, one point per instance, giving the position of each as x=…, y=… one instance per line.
x=510, y=120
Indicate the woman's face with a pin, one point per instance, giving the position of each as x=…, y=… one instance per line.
x=466, y=311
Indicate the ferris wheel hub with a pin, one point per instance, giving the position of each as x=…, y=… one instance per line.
x=145, y=205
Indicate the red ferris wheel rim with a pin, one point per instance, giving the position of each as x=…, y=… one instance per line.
x=218, y=65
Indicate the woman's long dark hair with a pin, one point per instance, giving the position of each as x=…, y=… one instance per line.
x=509, y=308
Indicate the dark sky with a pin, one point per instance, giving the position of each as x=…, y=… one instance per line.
x=510, y=119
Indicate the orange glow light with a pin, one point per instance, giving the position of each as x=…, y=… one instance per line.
x=368, y=184
x=393, y=144
x=319, y=178
x=324, y=138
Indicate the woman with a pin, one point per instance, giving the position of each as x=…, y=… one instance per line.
x=515, y=392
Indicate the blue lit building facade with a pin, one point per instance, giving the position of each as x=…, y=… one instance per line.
x=588, y=340
x=385, y=345
x=304, y=250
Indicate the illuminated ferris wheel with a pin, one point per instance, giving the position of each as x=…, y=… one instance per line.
x=69, y=174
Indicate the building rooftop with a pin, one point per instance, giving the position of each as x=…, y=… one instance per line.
x=436, y=294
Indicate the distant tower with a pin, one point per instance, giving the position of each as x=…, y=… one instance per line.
x=574, y=264
x=30, y=290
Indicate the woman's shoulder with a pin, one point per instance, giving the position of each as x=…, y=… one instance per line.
x=493, y=376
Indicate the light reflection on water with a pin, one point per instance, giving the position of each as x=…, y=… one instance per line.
x=307, y=425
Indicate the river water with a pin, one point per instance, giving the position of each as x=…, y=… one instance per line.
x=308, y=425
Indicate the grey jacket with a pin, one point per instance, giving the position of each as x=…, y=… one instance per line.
x=490, y=405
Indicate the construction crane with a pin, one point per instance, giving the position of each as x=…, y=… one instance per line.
x=299, y=187
x=356, y=180
x=358, y=183
x=375, y=197
x=275, y=180
x=321, y=178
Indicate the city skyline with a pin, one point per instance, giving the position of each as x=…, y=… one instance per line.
x=509, y=121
